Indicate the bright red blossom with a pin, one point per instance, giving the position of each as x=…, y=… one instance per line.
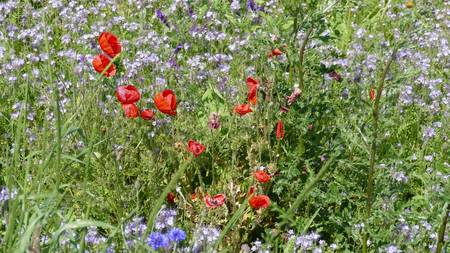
x=195, y=148
x=110, y=44
x=147, y=114
x=252, y=85
x=262, y=176
x=215, y=201
x=280, y=130
x=166, y=102
x=259, y=201
x=100, y=62
x=130, y=110
x=242, y=109
x=128, y=94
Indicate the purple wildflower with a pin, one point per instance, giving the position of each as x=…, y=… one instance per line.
x=162, y=17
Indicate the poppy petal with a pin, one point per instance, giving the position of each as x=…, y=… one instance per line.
x=110, y=44
x=100, y=62
x=128, y=94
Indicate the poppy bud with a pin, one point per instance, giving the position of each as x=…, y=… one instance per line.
x=372, y=94
x=213, y=122
x=335, y=76
x=294, y=95
x=171, y=198
x=280, y=130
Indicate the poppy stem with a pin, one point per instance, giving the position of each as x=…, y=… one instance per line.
x=373, y=149
x=56, y=107
x=159, y=202
x=302, y=55
x=441, y=232
x=236, y=216
x=310, y=186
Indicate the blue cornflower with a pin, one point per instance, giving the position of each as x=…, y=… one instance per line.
x=157, y=240
x=176, y=235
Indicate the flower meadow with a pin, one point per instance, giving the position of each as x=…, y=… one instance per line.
x=224, y=126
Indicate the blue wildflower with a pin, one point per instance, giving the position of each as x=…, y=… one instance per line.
x=176, y=235
x=157, y=240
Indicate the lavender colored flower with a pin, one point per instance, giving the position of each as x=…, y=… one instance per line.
x=235, y=5
x=166, y=218
x=157, y=240
x=93, y=237
x=176, y=235
x=162, y=17
x=5, y=194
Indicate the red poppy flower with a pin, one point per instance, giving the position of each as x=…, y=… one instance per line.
x=252, y=85
x=166, y=102
x=259, y=201
x=215, y=201
x=100, y=62
x=171, y=197
x=243, y=109
x=128, y=94
x=372, y=94
x=262, y=176
x=280, y=130
x=130, y=110
x=275, y=52
x=195, y=148
x=147, y=114
x=194, y=197
x=110, y=44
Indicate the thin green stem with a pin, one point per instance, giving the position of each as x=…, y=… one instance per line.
x=373, y=149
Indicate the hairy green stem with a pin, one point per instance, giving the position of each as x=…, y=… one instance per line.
x=441, y=232
x=302, y=55
x=310, y=186
x=159, y=202
x=56, y=106
x=373, y=149
x=236, y=216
